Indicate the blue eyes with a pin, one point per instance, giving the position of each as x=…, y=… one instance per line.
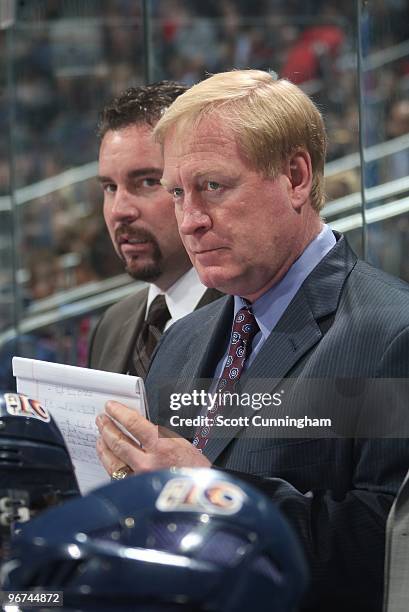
x=212, y=186
x=208, y=186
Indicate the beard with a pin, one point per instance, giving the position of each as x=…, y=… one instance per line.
x=141, y=267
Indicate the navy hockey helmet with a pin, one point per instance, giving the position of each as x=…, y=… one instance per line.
x=35, y=468
x=195, y=540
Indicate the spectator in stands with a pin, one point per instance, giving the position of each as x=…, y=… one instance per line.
x=398, y=125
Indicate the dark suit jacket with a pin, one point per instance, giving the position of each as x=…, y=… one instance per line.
x=347, y=320
x=115, y=334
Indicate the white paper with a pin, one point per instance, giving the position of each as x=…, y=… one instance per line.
x=74, y=396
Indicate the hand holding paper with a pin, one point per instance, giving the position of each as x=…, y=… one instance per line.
x=160, y=448
x=74, y=396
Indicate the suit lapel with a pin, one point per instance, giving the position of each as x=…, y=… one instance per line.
x=209, y=343
x=124, y=340
x=208, y=340
x=297, y=332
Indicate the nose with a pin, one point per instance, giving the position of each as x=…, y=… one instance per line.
x=125, y=207
x=192, y=219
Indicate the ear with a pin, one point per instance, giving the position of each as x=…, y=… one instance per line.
x=299, y=173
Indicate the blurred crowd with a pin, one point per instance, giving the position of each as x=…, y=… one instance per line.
x=65, y=58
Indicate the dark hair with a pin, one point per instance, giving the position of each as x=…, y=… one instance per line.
x=144, y=104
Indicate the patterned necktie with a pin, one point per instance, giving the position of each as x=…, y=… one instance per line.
x=244, y=329
x=151, y=332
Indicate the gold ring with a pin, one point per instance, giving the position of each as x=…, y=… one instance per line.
x=121, y=472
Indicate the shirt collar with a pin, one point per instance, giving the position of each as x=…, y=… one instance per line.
x=269, y=308
x=182, y=297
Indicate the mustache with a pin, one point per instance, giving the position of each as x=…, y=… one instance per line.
x=136, y=233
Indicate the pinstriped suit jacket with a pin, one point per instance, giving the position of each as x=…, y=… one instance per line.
x=336, y=492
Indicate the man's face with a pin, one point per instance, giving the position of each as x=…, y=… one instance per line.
x=240, y=229
x=138, y=211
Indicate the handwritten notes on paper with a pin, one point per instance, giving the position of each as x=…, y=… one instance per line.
x=74, y=396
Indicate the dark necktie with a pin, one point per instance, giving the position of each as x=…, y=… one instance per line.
x=244, y=329
x=152, y=329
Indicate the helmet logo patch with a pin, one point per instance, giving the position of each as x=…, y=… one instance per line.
x=20, y=405
x=216, y=497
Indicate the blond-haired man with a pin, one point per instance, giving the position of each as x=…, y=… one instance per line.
x=244, y=159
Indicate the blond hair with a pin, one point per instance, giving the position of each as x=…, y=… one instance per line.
x=271, y=119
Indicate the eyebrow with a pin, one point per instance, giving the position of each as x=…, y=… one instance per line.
x=200, y=175
x=139, y=172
